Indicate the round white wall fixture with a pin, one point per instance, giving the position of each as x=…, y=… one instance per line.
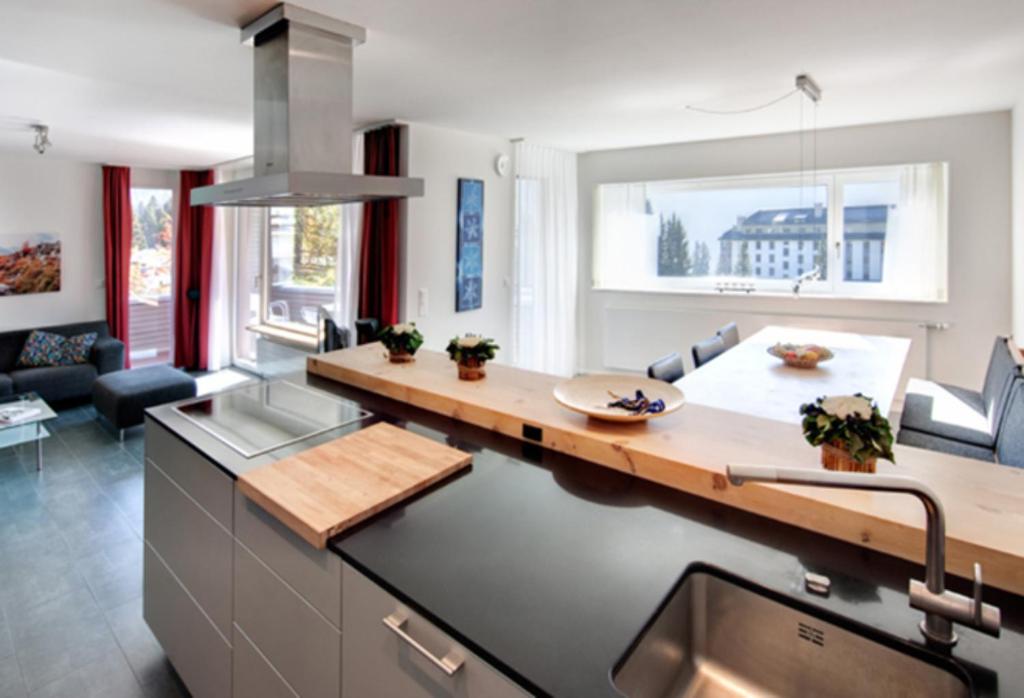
x=501, y=164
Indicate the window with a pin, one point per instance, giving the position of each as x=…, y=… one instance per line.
x=872, y=233
x=302, y=249
x=150, y=305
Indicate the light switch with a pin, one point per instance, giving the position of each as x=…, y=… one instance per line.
x=422, y=302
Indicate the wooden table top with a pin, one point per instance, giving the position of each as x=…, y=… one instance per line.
x=748, y=380
x=689, y=449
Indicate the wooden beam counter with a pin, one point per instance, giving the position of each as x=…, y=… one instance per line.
x=689, y=450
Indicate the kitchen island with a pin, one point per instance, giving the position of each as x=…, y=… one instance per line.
x=538, y=565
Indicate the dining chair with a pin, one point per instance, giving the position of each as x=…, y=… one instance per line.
x=1010, y=442
x=730, y=335
x=706, y=350
x=668, y=368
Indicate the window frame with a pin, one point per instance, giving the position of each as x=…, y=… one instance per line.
x=834, y=286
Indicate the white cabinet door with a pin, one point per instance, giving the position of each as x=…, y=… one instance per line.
x=378, y=662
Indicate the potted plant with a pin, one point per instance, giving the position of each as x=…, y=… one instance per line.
x=401, y=341
x=471, y=352
x=851, y=431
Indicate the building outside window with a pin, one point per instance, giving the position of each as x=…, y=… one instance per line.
x=886, y=226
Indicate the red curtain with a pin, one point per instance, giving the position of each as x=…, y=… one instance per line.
x=193, y=254
x=378, y=267
x=117, y=247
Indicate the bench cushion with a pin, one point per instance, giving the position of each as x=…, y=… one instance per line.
x=123, y=396
x=947, y=411
x=917, y=439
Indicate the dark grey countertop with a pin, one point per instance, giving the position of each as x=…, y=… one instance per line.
x=548, y=566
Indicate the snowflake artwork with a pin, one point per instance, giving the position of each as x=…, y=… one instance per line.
x=469, y=267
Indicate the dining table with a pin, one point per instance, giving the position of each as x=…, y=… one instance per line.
x=749, y=380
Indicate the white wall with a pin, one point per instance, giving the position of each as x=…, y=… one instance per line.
x=44, y=194
x=1018, y=221
x=977, y=148
x=441, y=156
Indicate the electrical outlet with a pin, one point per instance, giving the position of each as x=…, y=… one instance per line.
x=422, y=302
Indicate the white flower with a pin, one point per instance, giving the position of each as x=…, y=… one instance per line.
x=403, y=328
x=469, y=341
x=843, y=406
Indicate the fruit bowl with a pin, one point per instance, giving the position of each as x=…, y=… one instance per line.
x=800, y=355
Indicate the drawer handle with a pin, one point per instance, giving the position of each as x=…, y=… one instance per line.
x=450, y=664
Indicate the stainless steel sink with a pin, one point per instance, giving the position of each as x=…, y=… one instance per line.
x=719, y=636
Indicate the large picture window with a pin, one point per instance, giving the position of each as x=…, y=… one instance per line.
x=877, y=233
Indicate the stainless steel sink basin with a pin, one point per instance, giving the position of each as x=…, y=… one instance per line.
x=720, y=636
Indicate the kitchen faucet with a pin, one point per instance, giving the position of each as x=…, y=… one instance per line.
x=941, y=607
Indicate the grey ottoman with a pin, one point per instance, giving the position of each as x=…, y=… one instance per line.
x=123, y=396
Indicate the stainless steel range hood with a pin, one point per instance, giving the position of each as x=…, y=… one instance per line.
x=303, y=118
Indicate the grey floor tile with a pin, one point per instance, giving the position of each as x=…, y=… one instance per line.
x=107, y=469
x=71, y=569
x=114, y=574
x=6, y=644
x=11, y=683
x=108, y=676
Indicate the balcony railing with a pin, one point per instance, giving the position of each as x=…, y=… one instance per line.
x=151, y=330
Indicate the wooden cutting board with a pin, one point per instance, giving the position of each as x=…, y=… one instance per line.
x=323, y=491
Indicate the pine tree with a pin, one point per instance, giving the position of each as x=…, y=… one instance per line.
x=743, y=265
x=673, y=248
x=701, y=259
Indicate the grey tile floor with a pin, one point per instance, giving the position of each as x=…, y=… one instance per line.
x=71, y=568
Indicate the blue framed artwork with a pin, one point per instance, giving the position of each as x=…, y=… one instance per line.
x=469, y=246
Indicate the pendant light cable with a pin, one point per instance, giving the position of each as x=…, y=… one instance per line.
x=747, y=110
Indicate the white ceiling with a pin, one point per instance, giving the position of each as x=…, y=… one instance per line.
x=166, y=83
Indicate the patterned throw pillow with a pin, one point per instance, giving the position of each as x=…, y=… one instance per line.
x=77, y=348
x=42, y=349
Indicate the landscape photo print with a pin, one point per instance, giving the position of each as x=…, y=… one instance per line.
x=29, y=264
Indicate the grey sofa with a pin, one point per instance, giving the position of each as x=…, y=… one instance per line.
x=59, y=384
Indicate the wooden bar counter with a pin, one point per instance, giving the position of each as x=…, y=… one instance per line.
x=689, y=450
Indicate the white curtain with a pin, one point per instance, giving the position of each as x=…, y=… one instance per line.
x=914, y=263
x=346, y=287
x=546, y=238
x=225, y=223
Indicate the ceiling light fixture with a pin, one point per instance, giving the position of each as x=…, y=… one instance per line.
x=42, y=138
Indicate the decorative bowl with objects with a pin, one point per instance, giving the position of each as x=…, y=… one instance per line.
x=471, y=352
x=851, y=431
x=401, y=341
x=800, y=355
x=618, y=398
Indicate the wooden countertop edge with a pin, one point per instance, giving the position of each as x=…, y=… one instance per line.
x=789, y=505
x=309, y=534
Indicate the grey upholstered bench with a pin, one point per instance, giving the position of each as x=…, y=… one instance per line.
x=123, y=396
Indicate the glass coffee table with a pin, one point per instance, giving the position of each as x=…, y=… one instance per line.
x=31, y=428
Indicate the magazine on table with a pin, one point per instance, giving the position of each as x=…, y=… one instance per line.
x=14, y=414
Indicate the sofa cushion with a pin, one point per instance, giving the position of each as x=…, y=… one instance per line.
x=55, y=383
x=6, y=385
x=1010, y=443
x=42, y=349
x=78, y=348
x=947, y=411
x=917, y=439
x=123, y=396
